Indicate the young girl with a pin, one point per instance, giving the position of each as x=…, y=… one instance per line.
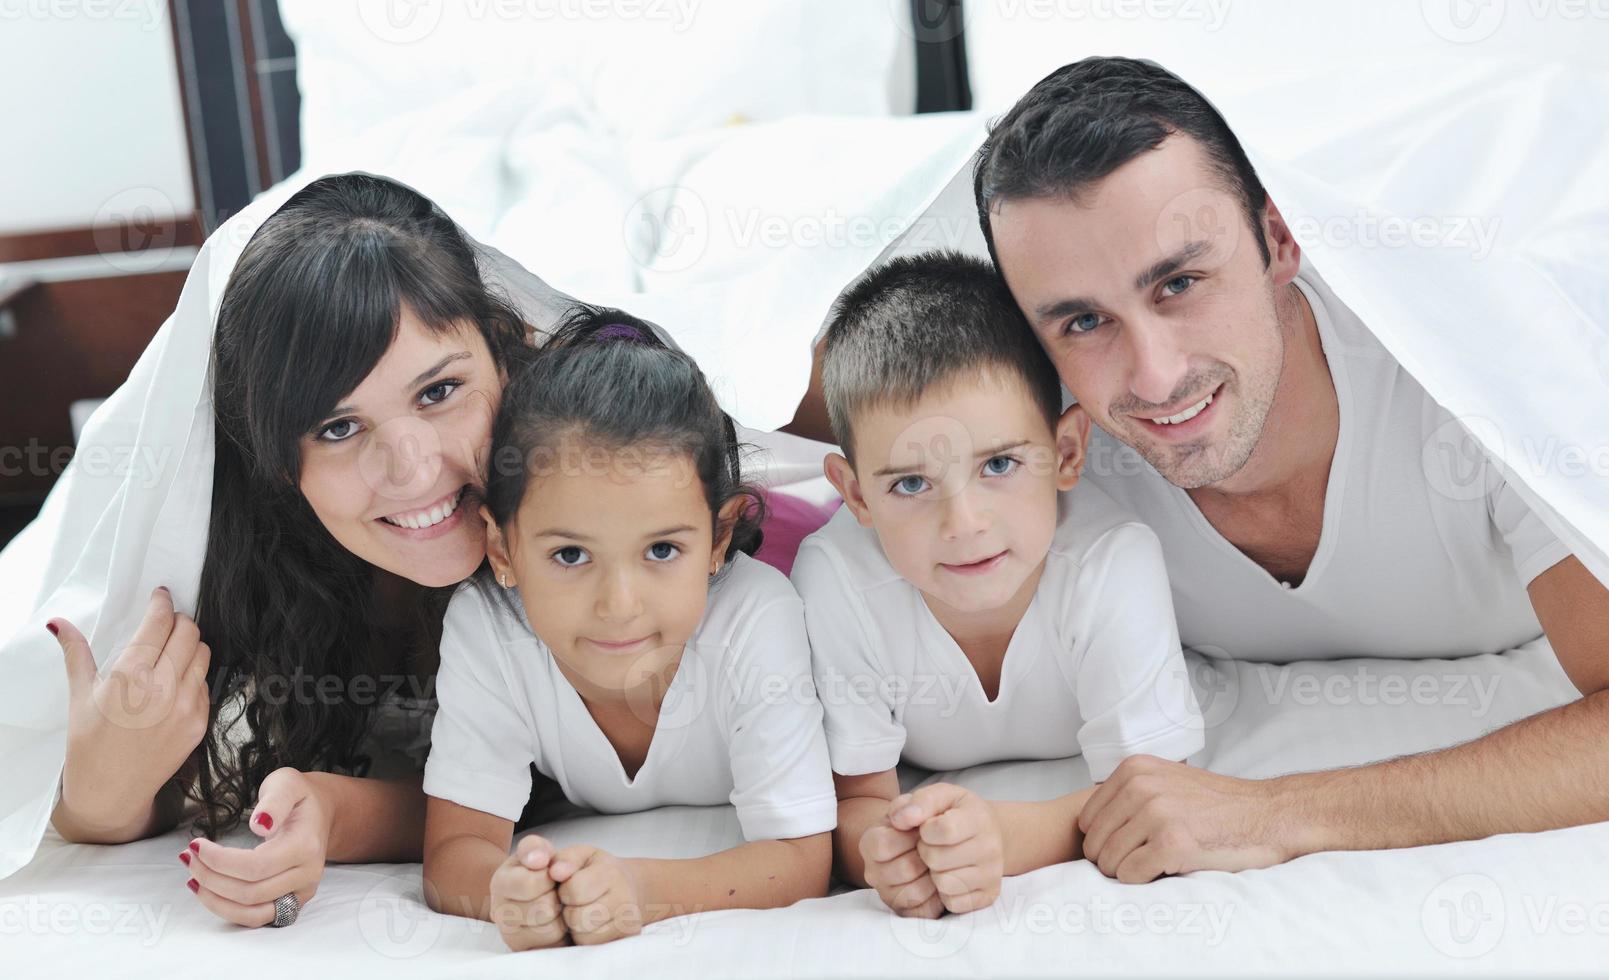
x=630, y=648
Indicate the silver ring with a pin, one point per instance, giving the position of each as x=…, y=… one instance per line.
x=286, y=909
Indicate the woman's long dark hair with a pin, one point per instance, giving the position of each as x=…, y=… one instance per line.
x=602, y=378
x=312, y=305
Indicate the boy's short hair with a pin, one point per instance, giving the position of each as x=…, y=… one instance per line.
x=919, y=321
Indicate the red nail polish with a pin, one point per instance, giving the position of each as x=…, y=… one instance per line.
x=195, y=845
x=265, y=821
x=191, y=884
x=54, y=629
x=185, y=857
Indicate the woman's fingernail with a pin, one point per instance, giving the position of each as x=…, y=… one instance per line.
x=54, y=629
x=185, y=857
x=195, y=846
x=193, y=886
x=265, y=821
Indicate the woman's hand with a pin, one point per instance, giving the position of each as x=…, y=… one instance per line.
x=241, y=884
x=525, y=901
x=131, y=730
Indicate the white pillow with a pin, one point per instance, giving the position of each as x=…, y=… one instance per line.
x=642, y=68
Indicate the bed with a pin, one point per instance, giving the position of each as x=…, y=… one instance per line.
x=735, y=211
x=1536, y=904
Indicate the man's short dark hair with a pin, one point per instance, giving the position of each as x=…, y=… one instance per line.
x=1086, y=119
x=919, y=321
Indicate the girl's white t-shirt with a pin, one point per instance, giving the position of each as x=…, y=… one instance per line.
x=739, y=724
x=1094, y=666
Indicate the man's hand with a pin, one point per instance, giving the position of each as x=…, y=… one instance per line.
x=602, y=899
x=525, y=901
x=1154, y=817
x=958, y=840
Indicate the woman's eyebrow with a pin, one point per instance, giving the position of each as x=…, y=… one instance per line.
x=432, y=372
x=416, y=382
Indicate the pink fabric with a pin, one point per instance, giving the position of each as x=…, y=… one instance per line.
x=790, y=520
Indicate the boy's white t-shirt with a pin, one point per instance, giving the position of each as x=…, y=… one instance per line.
x=739, y=724
x=1094, y=666
x=1425, y=550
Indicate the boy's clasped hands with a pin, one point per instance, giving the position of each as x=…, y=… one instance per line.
x=940, y=850
x=579, y=895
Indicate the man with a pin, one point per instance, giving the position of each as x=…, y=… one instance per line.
x=1286, y=470
x=1286, y=477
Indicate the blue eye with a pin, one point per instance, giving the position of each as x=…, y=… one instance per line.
x=909, y=486
x=439, y=392
x=338, y=431
x=662, y=551
x=999, y=465
x=1186, y=281
x=1083, y=323
x=571, y=556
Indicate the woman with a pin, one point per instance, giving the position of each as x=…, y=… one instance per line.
x=357, y=363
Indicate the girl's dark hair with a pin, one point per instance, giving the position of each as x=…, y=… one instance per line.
x=312, y=305
x=603, y=379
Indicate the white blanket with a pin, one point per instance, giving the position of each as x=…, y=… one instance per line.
x=1535, y=903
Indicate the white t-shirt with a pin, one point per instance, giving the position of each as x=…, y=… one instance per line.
x=739, y=723
x=1425, y=550
x=1094, y=665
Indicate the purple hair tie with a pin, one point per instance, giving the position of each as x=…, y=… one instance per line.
x=619, y=331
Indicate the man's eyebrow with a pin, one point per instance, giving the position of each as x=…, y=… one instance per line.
x=416, y=382
x=1071, y=306
x=989, y=453
x=1165, y=268
x=1162, y=269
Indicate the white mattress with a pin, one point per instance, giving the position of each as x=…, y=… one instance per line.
x=1516, y=903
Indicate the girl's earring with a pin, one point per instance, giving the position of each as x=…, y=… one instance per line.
x=502, y=580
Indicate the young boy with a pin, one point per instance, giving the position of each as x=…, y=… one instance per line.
x=972, y=602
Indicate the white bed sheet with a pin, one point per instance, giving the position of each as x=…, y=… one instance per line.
x=1535, y=903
